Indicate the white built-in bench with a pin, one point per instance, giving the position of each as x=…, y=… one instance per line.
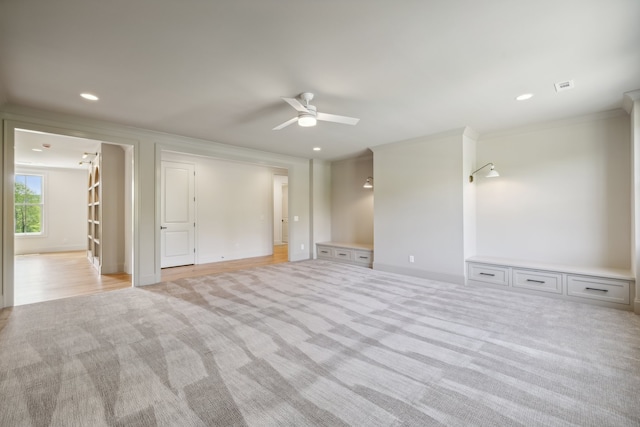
x=601, y=286
x=353, y=253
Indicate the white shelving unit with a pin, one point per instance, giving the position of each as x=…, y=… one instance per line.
x=105, y=210
x=94, y=249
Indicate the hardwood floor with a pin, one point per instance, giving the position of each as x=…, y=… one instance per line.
x=45, y=277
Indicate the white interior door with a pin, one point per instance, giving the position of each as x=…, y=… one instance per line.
x=285, y=213
x=177, y=214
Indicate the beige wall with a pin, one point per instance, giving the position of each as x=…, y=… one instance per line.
x=65, y=213
x=563, y=195
x=234, y=208
x=321, y=201
x=419, y=207
x=351, y=204
x=147, y=147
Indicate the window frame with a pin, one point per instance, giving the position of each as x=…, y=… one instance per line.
x=42, y=204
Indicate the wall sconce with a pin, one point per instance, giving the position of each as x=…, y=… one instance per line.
x=368, y=183
x=85, y=155
x=492, y=172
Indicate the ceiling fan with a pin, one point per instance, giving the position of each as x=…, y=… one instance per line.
x=308, y=115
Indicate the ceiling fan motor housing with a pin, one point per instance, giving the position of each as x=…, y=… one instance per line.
x=312, y=110
x=306, y=97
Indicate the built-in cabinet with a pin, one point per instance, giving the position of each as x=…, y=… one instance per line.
x=351, y=253
x=105, y=210
x=601, y=286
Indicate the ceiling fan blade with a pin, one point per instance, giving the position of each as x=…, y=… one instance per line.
x=285, y=124
x=296, y=104
x=337, y=119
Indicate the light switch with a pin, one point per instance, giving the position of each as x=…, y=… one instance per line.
x=295, y=218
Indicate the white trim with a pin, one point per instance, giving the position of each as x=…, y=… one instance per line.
x=603, y=115
x=42, y=123
x=432, y=275
x=44, y=220
x=629, y=99
x=146, y=142
x=421, y=139
x=51, y=249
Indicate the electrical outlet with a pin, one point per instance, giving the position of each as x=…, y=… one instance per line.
x=411, y=258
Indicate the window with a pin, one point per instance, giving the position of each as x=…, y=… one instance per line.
x=29, y=204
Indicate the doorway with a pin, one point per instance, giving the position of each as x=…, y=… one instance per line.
x=55, y=215
x=280, y=209
x=285, y=213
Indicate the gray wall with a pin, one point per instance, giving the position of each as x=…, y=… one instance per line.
x=352, y=205
x=419, y=207
x=563, y=195
x=321, y=201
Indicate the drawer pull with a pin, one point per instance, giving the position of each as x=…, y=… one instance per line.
x=596, y=289
x=342, y=254
x=324, y=252
x=535, y=281
x=364, y=257
x=487, y=274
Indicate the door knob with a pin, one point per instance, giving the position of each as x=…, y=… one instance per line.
x=163, y=228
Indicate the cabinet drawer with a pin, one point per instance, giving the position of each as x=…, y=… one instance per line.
x=364, y=257
x=610, y=290
x=537, y=280
x=489, y=274
x=325, y=252
x=345, y=254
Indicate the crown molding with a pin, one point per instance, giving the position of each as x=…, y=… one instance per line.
x=433, y=137
x=629, y=99
x=603, y=115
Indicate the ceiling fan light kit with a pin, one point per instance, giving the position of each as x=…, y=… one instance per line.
x=308, y=114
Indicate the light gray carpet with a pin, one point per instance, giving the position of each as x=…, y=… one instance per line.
x=317, y=343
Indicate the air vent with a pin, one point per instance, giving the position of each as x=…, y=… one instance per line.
x=560, y=86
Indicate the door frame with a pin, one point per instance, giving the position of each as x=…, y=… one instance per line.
x=276, y=180
x=284, y=214
x=7, y=172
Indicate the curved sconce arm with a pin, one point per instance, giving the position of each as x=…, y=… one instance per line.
x=492, y=173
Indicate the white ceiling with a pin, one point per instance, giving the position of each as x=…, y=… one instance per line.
x=216, y=70
x=42, y=149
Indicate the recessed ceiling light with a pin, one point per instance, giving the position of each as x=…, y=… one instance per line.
x=524, y=96
x=89, y=96
x=36, y=149
x=317, y=148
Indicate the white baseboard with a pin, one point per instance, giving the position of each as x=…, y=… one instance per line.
x=149, y=279
x=51, y=249
x=112, y=268
x=206, y=259
x=441, y=277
